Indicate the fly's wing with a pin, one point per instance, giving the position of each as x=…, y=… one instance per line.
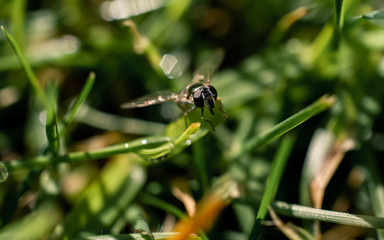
x=204, y=73
x=152, y=99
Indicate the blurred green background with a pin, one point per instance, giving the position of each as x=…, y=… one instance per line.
x=280, y=56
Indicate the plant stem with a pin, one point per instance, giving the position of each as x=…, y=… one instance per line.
x=42, y=161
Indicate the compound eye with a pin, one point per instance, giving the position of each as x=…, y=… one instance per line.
x=198, y=99
x=213, y=90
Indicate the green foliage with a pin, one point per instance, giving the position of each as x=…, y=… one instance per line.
x=297, y=121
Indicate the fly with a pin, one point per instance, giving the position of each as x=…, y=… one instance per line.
x=199, y=93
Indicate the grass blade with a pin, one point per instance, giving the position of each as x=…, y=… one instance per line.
x=375, y=188
x=138, y=222
x=31, y=75
x=199, y=158
x=109, y=194
x=315, y=108
x=51, y=125
x=34, y=225
x=338, y=22
x=273, y=181
x=17, y=21
x=79, y=101
x=156, y=202
x=309, y=213
x=375, y=17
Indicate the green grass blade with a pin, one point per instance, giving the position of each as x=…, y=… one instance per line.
x=375, y=188
x=162, y=31
x=143, y=45
x=102, y=203
x=376, y=192
x=31, y=75
x=3, y=173
x=161, y=204
x=167, y=207
x=51, y=124
x=199, y=154
x=338, y=21
x=17, y=21
x=136, y=219
x=309, y=213
x=35, y=225
x=375, y=17
x=257, y=141
x=273, y=181
x=79, y=101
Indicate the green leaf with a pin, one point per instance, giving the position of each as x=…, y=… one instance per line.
x=268, y=136
x=339, y=22
x=79, y=101
x=107, y=197
x=154, y=201
x=35, y=224
x=31, y=75
x=375, y=17
x=375, y=187
x=17, y=21
x=135, y=217
x=277, y=169
x=51, y=124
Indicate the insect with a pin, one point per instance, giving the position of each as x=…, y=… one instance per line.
x=198, y=94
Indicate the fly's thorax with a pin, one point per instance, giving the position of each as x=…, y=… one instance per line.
x=198, y=98
x=205, y=96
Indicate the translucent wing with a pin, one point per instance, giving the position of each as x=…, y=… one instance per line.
x=204, y=73
x=155, y=98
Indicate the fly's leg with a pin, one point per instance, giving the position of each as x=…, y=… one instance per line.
x=186, y=114
x=221, y=109
x=202, y=117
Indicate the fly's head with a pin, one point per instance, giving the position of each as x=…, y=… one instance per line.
x=205, y=96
